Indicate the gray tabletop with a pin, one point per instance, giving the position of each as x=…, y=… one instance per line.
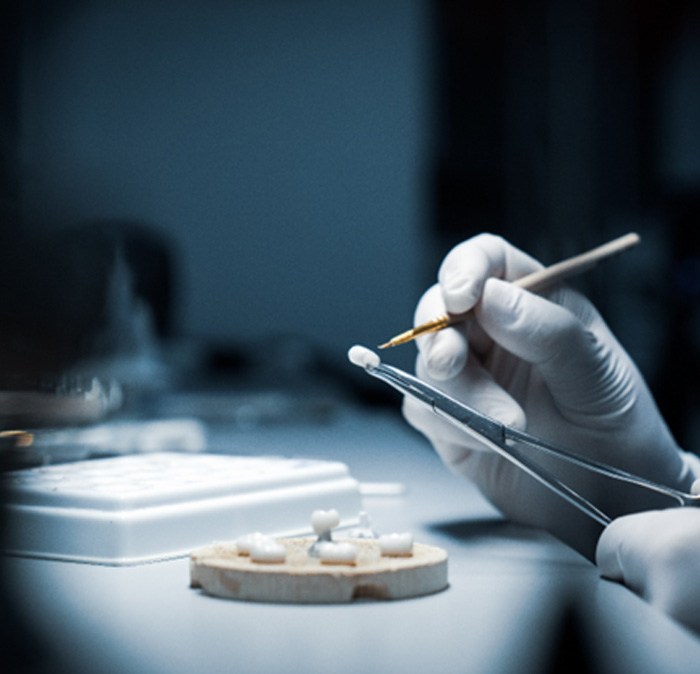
x=518, y=600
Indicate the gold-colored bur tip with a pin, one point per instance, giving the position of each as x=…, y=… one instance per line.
x=431, y=326
x=403, y=338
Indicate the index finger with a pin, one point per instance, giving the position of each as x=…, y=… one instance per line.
x=444, y=352
x=467, y=266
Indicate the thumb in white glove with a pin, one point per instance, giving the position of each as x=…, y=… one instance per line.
x=657, y=554
x=551, y=366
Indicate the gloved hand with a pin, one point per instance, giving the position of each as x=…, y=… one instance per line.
x=657, y=554
x=547, y=365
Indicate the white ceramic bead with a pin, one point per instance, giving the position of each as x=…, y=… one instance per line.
x=337, y=553
x=396, y=545
x=324, y=520
x=363, y=357
x=268, y=551
x=244, y=543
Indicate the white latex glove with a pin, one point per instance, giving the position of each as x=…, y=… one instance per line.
x=550, y=366
x=657, y=554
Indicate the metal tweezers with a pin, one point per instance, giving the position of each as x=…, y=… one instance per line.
x=500, y=438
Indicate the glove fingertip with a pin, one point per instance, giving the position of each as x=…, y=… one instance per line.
x=460, y=293
x=609, y=551
x=445, y=355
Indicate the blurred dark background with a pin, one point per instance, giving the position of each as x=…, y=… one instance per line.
x=230, y=173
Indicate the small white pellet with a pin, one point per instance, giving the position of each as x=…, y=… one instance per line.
x=363, y=357
x=396, y=545
x=268, y=551
x=324, y=520
x=337, y=553
x=245, y=543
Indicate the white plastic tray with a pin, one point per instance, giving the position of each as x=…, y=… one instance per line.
x=145, y=507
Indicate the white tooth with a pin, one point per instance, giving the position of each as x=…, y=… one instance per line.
x=396, y=545
x=324, y=520
x=363, y=357
x=268, y=551
x=244, y=543
x=337, y=553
